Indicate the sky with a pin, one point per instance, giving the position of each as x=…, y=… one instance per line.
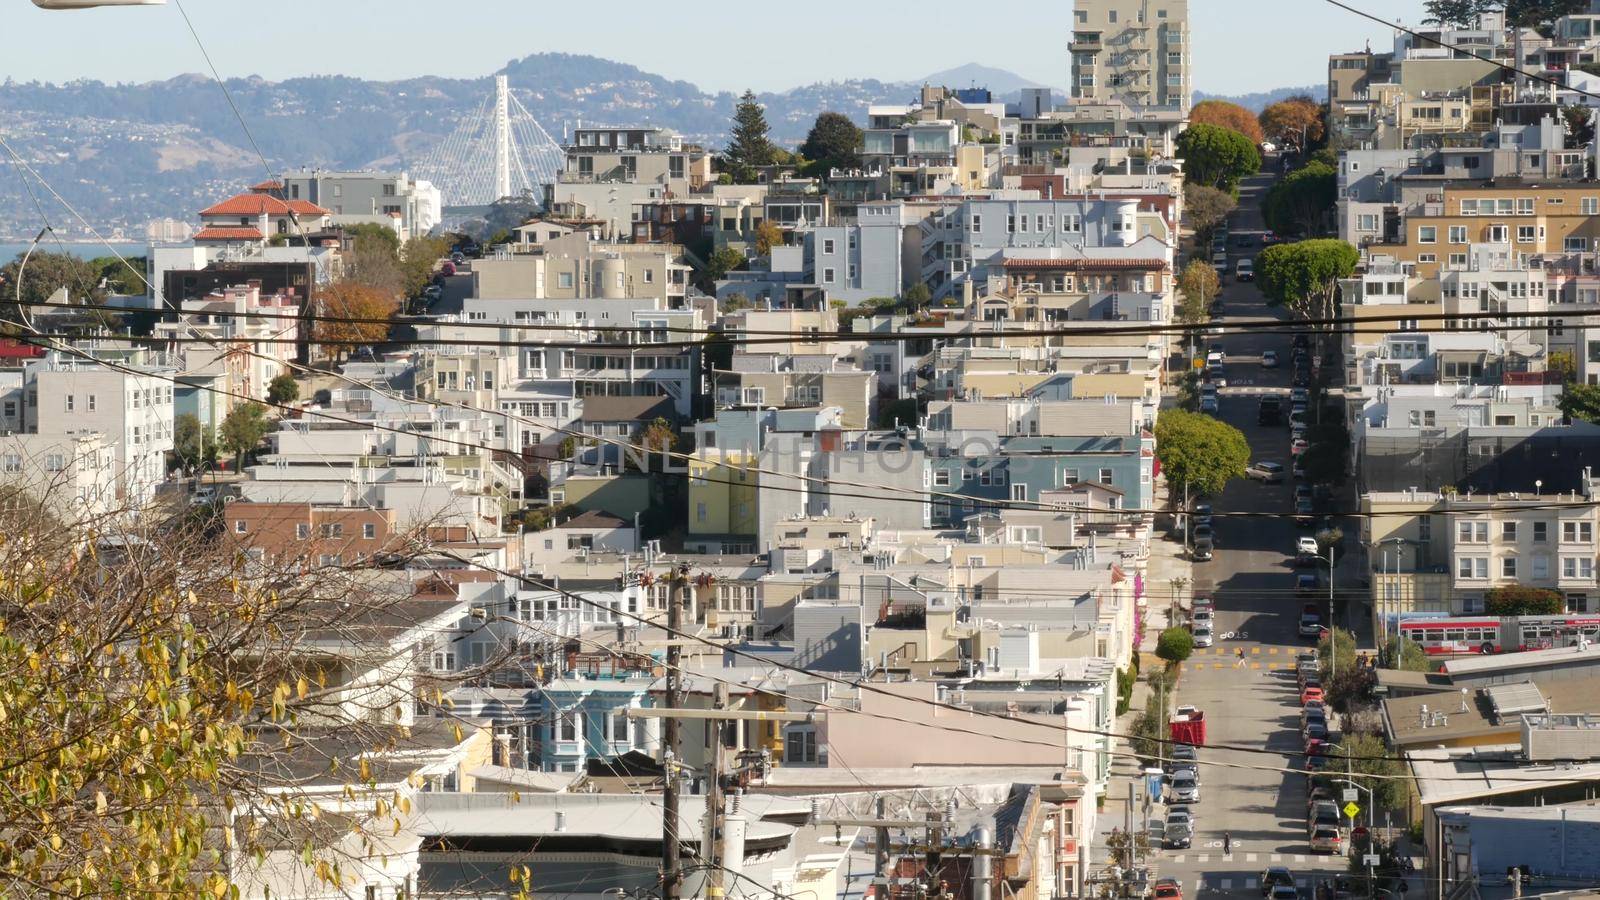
x=719, y=45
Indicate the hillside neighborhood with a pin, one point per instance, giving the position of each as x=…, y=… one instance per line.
x=1068, y=494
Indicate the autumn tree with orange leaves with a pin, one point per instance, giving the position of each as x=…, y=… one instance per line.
x=340, y=303
x=1296, y=121
x=1227, y=115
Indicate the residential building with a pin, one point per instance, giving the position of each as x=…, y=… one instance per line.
x=258, y=215
x=1133, y=51
x=610, y=170
x=412, y=207
x=74, y=474
x=575, y=265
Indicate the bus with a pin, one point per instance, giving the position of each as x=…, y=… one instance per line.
x=1453, y=636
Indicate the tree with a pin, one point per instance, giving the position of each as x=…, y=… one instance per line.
x=283, y=389
x=1217, y=157
x=1329, y=539
x=917, y=296
x=722, y=262
x=344, y=300
x=417, y=258
x=1227, y=115
x=1581, y=402
x=1377, y=769
x=1305, y=276
x=1579, y=123
x=768, y=236
x=1540, y=13
x=1199, y=452
x=1206, y=207
x=1299, y=203
x=1407, y=655
x=243, y=430
x=657, y=437
x=374, y=259
x=750, y=148
x=1175, y=644
x=192, y=444
x=1199, y=285
x=47, y=273
x=1296, y=122
x=120, y=276
x=1520, y=600
x=1457, y=13
x=834, y=142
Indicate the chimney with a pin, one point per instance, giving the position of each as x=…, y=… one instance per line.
x=561, y=821
x=1423, y=715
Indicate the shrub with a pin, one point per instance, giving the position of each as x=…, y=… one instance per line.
x=1175, y=645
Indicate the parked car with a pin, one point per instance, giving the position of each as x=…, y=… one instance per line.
x=1168, y=889
x=1300, y=396
x=1203, y=551
x=1324, y=812
x=1306, y=582
x=204, y=495
x=1203, y=634
x=1183, y=787
x=1269, y=359
x=1266, y=471
x=1208, y=404
x=1181, y=756
x=1204, y=614
x=448, y=268
x=1311, y=692
x=1203, y=602
x=1202, y=514
x=1216, y=375
x=1304, y=512
x=1202, y=533
x=1298, y=447
x=1315, y=730
x=1178, y=830
x=1298, y=470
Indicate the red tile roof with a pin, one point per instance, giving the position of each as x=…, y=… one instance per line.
x=10, y=349
x=267, y=186
x=262, y=204
x=228, y=233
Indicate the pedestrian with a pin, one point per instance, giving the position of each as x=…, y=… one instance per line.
x=1238, y=663
x=1227, y=844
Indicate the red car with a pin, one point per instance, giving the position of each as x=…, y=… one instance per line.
x=1309, y=694
x=1169, y=889
x=448, y=268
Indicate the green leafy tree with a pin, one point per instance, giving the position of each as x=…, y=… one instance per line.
x=1561, y=363
x=283, y=389
x=193, y=445
x=751, y=146
x=917, y=297
x=120, y=276
x=1300, y=202
x=47, y=273
x=1217, y=157
x=1581, y=402
x=1377, y=769
x=1227, y=115
x=1457, y=13
x=1199, y=285
x=1175, y=644
x=417, y=258
x=1206, y=207
x=1305, y=276
x=1200, y=452
x=1579, y=122
x=722, y=262
x=1520, y=600
x=243, y=430
x=1408, y=656
x=834, y=142
x=1540, y=13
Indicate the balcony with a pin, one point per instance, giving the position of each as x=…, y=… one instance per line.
x=1085, y=41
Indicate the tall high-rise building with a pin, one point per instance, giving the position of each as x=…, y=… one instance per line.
x=1135, y=51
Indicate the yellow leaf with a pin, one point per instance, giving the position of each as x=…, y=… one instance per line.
x=302, y=688
x=55, y=842
x=396, y=826
x=100, y=803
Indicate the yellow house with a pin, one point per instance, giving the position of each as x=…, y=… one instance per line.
x=722, y=493
x=1532, y=219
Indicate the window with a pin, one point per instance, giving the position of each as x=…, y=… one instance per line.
x=369, y=531
x=1106, y=476
x=619, y=727
x=1508, y=531
x=1589, y=206
x=240, y=526
x=1525, y=234
x=1577, y=567
x=302, y=531
x=564, y=280
x=1426, y=258
x=1019, y=492
x=444, y=660
x=1472, y=567
x=1472, y=532
x=1540, y=532
x=800, y=745
x=827, y=276
x=1573, y=245
x=571, y=724
x=1427, y=234
x=1508, y=567
x=71, y=400
x=1540, y=568
x=1366, y=222
x=1577, y=532
x=700, y=511
x=977, y=221
x=827, y=246
x=54, y=462
x=1458, y=234
x=1458, y=260
x=941, y=478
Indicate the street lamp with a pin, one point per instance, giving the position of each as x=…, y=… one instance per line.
x=1371, y=835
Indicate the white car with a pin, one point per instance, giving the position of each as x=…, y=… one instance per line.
x=1203, y=634
x=1306, y=546
x=1269, y=359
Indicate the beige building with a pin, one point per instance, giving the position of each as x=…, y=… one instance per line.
x=1135, y=51
x=575, y=265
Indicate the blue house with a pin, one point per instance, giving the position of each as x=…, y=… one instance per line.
x=586, y=718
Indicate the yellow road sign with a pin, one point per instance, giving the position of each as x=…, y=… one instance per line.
x=1350, y=809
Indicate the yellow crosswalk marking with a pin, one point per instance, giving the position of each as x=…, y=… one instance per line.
x=1272, y=651
x=1255, y=651
x=1255, y=665
x=1216, y=665
x=1271, y=666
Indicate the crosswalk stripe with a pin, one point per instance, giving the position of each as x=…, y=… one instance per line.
x=1178, y=858
x=1302, y=882
x=1249, y=857
x=1225, y=884
x=1255, y=665
x=1216, y=665
x=1299, y=857
x=1255, y=651
x=1272, y=651
x=1276, y=857
x=1249, y=884
x=1272, y=666
x=1202, y=858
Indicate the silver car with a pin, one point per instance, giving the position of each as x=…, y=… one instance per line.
x=1203, y=635
x=1183, y=788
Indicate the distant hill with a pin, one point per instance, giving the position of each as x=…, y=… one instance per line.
x=127, y=153
x=1259, y=101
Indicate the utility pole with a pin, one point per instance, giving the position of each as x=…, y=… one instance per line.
x=716, y=810
x=671, y=866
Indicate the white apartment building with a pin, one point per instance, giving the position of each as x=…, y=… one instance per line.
x=1134, y=51
x=394, y=199
x=74, y=473
x=63, y=396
